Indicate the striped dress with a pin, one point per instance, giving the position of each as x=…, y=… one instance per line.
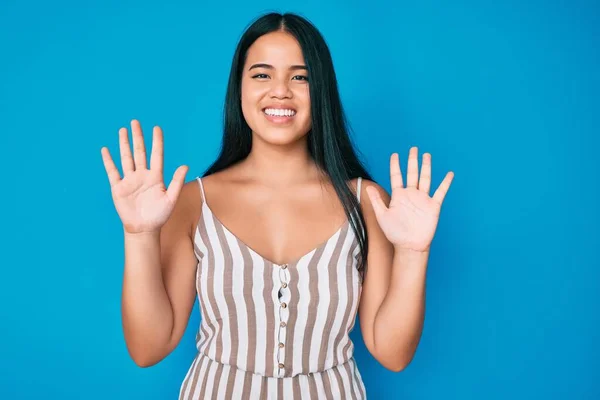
x=271, y=331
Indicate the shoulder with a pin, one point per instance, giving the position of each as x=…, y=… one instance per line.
x=189, y=203
x=191, y=192
x=188, y=207
x=364, y=197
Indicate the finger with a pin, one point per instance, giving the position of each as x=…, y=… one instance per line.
x=395, y=172
x=139, y=150
x=126, y=159
x=412, y=176
x=377, y=202
x=176, y=183
x=442, y=190
x=156, y=157
x=110, y=167
x=425, y=179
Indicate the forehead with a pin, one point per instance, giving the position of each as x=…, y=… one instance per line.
x=277, y=49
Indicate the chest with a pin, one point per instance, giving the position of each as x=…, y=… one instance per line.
x=278, y=230
x=324, y=281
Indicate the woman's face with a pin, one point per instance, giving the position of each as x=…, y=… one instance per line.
x=275, y=95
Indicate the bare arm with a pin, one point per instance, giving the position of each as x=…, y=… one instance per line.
x=158, y=281
x=401, y=228
x=159, y=285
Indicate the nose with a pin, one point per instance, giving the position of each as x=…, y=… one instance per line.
x=281, y=89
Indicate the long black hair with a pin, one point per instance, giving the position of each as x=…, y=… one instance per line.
x=329, y=144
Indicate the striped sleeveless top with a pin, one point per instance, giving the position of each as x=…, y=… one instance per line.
x=271, y=331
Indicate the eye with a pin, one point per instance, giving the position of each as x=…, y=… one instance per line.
x=302, y=77
x=261, y=76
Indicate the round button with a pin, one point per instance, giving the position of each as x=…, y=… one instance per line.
x=284, y=266
x=284, y=285
x=282, y=323
x=281, y=345
x=283, y=305
x=281, y=365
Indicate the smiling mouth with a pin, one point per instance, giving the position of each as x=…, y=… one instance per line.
x=279, y=116
x=279, y=112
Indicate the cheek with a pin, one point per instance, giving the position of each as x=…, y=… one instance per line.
x=304, y=98
x=249, y=101
x=251, y=96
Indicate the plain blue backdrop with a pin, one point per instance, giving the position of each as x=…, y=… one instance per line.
x=505, y=94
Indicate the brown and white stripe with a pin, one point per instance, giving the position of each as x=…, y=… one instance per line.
x=254, y=344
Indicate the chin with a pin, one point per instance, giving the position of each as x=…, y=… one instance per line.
x=280, y=136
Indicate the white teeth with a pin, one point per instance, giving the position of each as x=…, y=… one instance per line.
x=279, y=112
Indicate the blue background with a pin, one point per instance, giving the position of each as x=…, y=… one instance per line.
x=505, y=94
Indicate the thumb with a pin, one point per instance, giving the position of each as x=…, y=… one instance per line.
x=376, y=201
x=177, y=183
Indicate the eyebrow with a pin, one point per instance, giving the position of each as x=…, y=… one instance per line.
x=268, y=66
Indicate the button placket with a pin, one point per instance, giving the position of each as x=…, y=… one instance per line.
x=284, y=297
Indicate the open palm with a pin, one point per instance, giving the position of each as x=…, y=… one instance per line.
x=411, y=219
x=141, y=198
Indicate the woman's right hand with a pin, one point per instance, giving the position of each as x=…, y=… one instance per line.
x=142, y=201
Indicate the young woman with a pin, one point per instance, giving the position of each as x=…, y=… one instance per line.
x=275, y=238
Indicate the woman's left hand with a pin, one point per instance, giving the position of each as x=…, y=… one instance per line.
x=411, y=219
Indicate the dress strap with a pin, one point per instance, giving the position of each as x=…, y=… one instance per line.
x=358, y=188
x=201, y=188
